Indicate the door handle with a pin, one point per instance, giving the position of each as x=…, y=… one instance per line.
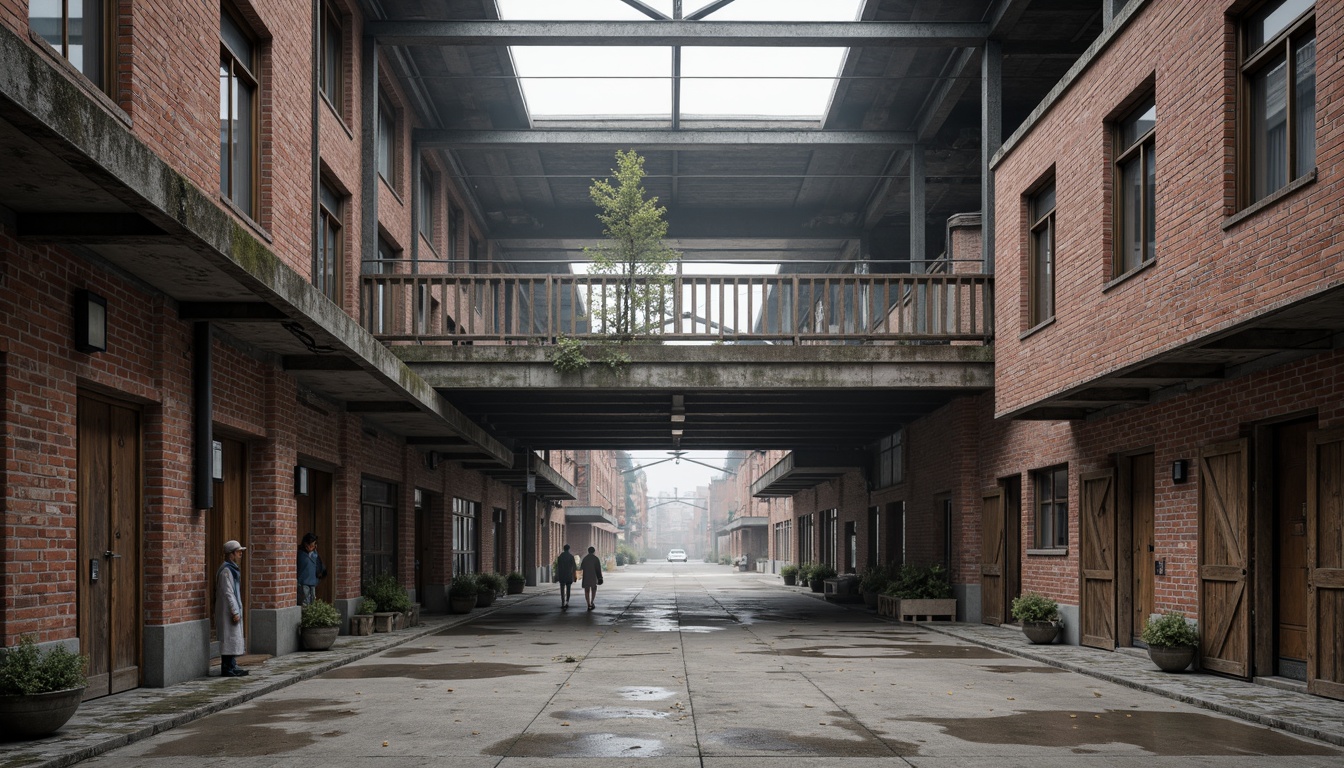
x=109, y=554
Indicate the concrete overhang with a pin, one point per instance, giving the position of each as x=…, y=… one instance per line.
x=107, y=195
x=596, y=516
x=528, y=474
x=801, y=470
x=743, y=523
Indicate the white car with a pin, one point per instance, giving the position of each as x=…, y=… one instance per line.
x=676, y=556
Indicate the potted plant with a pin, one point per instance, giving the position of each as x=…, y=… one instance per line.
x=515, y=582
x=1039, y=616
x=462, y=593
x=39, y=690
x=393, y=602
x=361, y=623
x=871, y=584
x=319, y=623
x=1172, y=641
x=817, y=576
x=922, y=592
x=488, y=587
x=790, y=574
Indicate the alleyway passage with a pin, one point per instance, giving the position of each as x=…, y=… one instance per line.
x=693, y=665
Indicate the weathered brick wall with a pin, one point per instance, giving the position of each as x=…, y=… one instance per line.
x=1206, y=276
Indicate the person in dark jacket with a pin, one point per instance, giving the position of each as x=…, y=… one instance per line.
x=565, y=568
x=310, y=569
x=592, y=576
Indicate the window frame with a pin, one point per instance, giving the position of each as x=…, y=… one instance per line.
x=425, y=200
x=1141, y=151
x=250, y=71
x=105, y=79
x=889, y=460
x=1282, y=47
x=331, y=75
x=389, y=152
x=466, y=519
x=1041, y=223
x=329, y=198
x=1051, y=507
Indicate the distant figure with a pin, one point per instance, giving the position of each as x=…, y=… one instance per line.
x=564, y=575
x=229, y=611
x=592, y=576
x=310, y=569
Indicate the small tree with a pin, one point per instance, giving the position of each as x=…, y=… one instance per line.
x=637, y=302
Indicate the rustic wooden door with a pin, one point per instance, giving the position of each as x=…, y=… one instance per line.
x=1142, y=599
x=108, y=536
x=1325, y=558
x=316, y=513
x=1096, y=567
x=993, y=554
x=1224, y=528
x=228, y=519
x=1290, y=548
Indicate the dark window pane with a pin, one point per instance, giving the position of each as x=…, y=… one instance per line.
x=1304, y=103
x=1273, y=19
x=1131, y=213
x=1269, y=130
x=235, y=39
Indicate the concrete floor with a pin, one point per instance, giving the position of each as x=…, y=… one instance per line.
x=695, y=665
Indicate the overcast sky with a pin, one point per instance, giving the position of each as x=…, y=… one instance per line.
x=684, y=477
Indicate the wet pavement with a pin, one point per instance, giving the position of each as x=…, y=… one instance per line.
x=698, y=665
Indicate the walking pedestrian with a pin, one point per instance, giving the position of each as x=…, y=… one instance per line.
x=310, y=568
x=592, y=576
x=564, y=575
x=229, y=610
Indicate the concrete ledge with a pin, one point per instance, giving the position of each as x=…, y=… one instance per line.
x=274, y=631
x=175, y=652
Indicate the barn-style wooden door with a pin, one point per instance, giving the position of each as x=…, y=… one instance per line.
x=1224, y=559
x=1325, y=559
x=993, y=554
x=1096, y=567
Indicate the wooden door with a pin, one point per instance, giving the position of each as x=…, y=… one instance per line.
x=108, y=542
x=1096, y=567
x=228, y=520
x=316, y=513
x=1325, y=560
x=1143, y=602
x=1224, y=528
x=993, y=553
x=1290, y=547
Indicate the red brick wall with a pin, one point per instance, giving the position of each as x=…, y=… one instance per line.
x=1206, y=277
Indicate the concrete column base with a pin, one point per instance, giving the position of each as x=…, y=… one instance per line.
x=347, y=606
x=274, y=630
x=968, y=602
x=435, y=599
x=174, y=653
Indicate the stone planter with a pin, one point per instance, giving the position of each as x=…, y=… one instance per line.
x=1041, y=632
x=516, y=587
x=870, y=598
x=790, y=579
x=412, y=617
x=888, y=605
x=462, y=604
x=385, y=621
x=943, y=609
x=361, y=624
x=816, y=585
x=318, y=638
x=1172, y=658
x=485, y=599
x=38, y=714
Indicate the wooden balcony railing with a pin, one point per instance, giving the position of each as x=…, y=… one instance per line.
x=791, y=309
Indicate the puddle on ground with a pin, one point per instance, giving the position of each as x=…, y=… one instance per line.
x=1009, y=669
x=575, y=745
x=894, y=651
x=540, y=643
x=476, y=629
x=644, y=693
x=771, y=740
x=251, y=731
x=1160, y=733
x=401, y=653
x=468, y=671
x=611, y=713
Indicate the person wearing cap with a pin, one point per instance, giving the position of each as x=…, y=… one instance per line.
x=310, y=568
x=229, y=610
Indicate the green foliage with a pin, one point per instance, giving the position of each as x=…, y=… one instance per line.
x=874, y=579
x=626, y=554
x=384, y=590
x=464, y=585
x=636, y=302
x=25, y=669
x=367, y=607
x=490, y=583
x=319, y=613
x=921, y=582
x=567, y=355
x=789, y=570
x=1033, y=606
x=805, y=572
x=614, y=359
x=515, y=577
x=1170, y=630
x=821, y=571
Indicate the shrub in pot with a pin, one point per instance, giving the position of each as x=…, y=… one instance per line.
x=1172, y=641
x=1039, y=616
x=391, y=598
x=817, y=576
x=515, y=582
x=488, y=587
x=462, y=593
x=922, y=592
x=39, y=690
x=319, y=623
x=871, y=584
x=361, y=623
x=790, y=574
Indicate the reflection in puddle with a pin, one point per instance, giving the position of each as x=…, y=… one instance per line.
x=775, y=741
x=893, y=651
x=643, y=693
x=470, y=671
x=401, y=653
x=251, y=731
x=587, y=745
x=611, y=713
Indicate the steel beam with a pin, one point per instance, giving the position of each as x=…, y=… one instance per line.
x=769, y=34
x=780, y=225
x=659, y=139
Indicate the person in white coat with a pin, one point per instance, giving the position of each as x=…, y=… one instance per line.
x=229, y=610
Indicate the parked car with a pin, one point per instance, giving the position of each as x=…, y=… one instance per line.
x=676, y=556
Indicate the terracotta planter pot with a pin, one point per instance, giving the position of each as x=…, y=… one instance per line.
x=816, y=585
x=1041, y=632
x=318, y=638
x=28, y=717
x=1172, y=658
x=361, y=624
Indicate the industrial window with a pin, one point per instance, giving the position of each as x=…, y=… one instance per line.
x=327, y=259
x=427, y=209
x=331, y=73
x=378, y=529
x=238, y=87
x=1279, y=86
x=1135, y=177
x=1052, y=508
x=805, y=544
x=830, y=538
x=450, y=238
x=387, y=142
x=889, y=460
x=783, y=540
x=465, y=514
x=1041, y=269
x=77, y=30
